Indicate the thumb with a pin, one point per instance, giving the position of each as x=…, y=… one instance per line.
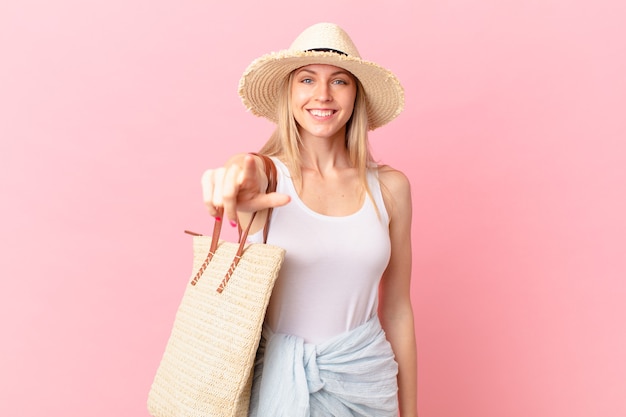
x=277, y=199
x=266, y=201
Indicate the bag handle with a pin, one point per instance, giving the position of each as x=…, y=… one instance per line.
x=270, y=172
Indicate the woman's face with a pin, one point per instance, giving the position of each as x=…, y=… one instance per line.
x=322, y=100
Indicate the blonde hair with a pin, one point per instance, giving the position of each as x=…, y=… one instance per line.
x=285, y=141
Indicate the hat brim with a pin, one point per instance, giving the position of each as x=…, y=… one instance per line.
x=260, y=84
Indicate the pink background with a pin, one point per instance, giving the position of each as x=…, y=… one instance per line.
x=513, y=138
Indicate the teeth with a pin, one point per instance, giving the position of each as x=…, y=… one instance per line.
x=321, y=113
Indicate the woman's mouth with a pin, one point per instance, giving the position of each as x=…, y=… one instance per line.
x=321, y=113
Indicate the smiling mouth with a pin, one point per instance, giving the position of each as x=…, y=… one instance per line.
x=322, y=113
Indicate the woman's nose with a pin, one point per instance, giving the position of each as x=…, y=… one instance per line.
x=323, y=92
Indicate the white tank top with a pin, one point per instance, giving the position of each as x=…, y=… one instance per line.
x=328, y=283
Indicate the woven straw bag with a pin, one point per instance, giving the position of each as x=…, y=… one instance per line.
x=206, y=370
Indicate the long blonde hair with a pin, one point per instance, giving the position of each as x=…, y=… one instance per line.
x=285, y=141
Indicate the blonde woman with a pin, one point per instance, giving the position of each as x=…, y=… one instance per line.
x=338, y=338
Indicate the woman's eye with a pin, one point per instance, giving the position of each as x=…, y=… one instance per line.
x=306, y=81
x=339, y=81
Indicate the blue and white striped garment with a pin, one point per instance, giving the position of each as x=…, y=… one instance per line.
x=352, y=374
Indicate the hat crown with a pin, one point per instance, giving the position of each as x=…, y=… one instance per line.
x=325, y=36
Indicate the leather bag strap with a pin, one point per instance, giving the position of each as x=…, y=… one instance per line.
x=272, y=180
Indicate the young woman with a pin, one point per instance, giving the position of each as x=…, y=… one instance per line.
x=339, y=336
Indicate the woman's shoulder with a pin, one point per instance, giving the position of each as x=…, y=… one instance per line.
x=395, y=187
x=393, y=179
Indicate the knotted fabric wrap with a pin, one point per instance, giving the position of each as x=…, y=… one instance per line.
x=352, y=374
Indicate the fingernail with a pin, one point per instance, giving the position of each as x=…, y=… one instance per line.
x=233, y=224
x=218, y=219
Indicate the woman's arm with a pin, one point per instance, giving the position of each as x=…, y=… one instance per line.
x=395, y=310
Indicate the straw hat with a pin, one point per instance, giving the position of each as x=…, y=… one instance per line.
x=322, y=43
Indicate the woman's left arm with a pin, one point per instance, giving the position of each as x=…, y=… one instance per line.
x=395, y=309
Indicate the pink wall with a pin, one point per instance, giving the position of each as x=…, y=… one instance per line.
x=513, y=137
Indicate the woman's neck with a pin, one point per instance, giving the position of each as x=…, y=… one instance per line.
x=321, y=154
